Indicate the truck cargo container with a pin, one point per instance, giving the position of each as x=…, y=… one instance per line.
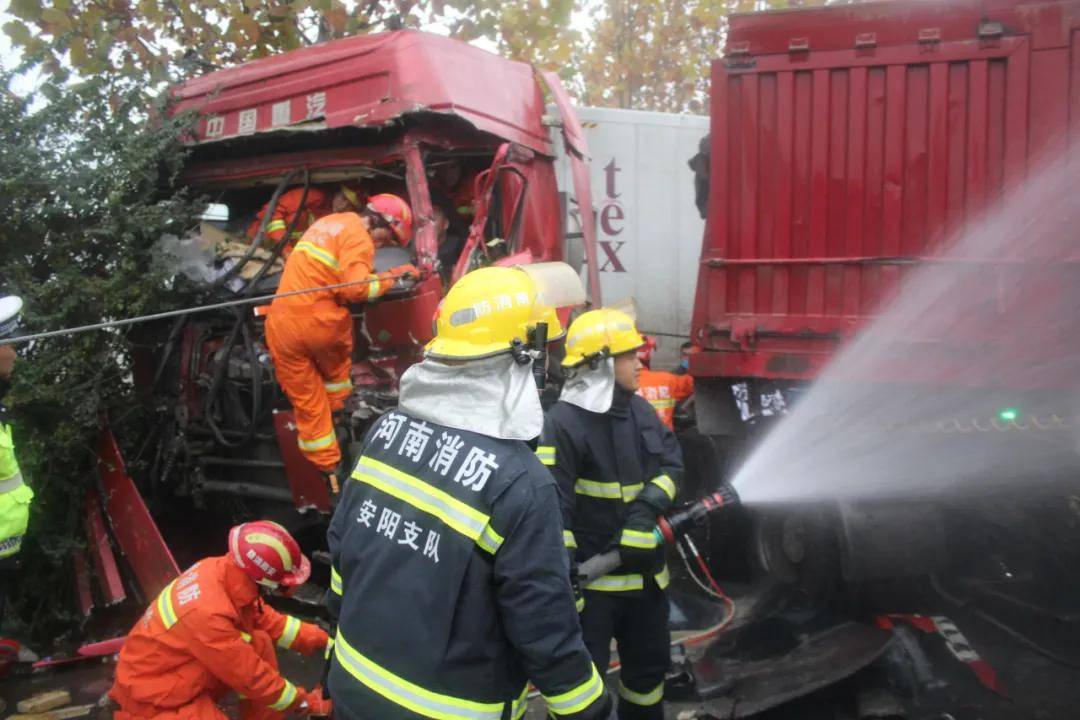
x=850, y=146
x=648, y=228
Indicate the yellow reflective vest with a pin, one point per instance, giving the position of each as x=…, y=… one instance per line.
x=15, y=497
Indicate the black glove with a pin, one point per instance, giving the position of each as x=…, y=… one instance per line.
x=638, y=540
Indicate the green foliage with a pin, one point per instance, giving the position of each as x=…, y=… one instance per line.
x=653, y=54
x=162, y=41
x=87, y=185
x=540, y=32
x=641, y=54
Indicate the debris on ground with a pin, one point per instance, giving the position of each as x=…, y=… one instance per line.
x=44, y=702
x=68, y=713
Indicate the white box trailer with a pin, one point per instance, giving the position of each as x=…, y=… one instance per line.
x=647, y=224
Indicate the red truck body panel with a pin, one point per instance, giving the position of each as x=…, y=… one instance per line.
x=848, y=145
x=369, y=81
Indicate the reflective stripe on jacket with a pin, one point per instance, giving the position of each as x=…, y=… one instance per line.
x=15, y=497
x=317, y=204
x=603, y=462
x=450, y=583
x=664, y=391
x=336, y=249
x=194, y=639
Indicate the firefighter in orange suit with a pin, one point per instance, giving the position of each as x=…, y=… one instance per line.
x=209, y=632
x=310, y=334
x=663, y=390
x=317, y=204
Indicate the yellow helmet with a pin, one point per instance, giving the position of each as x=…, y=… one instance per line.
x=489, y=308
x=600, y=333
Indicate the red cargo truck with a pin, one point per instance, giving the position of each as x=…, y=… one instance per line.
x=850, y=145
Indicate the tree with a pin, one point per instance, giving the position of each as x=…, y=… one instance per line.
x=87, y=187
x=168, y=40
x=643, y=54
x=540, y=32
x=652, y=55
x=638, y=54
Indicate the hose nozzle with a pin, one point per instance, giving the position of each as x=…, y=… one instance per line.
x=680, y=522
x=729, y=496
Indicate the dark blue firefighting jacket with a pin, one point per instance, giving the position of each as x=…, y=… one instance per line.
x=602, y=463
x=450, y=584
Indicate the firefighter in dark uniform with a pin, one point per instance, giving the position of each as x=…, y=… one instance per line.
x=449, y=580
x=617, y=466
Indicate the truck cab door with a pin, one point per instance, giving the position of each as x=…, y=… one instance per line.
x=499, y=198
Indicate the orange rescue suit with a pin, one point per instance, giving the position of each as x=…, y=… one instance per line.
x=207, y=633
x=310, y=335
x=317, y=205
x=664, y=391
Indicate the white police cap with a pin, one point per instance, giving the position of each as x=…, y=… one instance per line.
x=10, y=309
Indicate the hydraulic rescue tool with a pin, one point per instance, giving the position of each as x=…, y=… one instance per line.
x=669, y=528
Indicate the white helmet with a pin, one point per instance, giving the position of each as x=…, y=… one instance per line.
x=10, y=310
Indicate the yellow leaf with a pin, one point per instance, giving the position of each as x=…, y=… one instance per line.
x=78, y=53
x=250, y=27
x=150, y=10
x=56, y=17
x=25, y=9
x=336, y=19
x=19, y=33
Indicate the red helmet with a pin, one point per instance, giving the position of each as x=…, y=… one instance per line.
x=644, y=353
x=395, y=212
x=268, y=554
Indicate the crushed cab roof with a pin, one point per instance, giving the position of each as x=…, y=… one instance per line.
x=369, y=81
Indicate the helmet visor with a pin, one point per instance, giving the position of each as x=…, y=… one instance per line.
x=627, y=306
x=557, y=285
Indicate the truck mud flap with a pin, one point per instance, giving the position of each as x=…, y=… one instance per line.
x=306, y=482
x=136, y=533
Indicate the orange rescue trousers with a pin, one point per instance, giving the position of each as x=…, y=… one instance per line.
x=206, y=634
x=312, y=352
x=310, y=334
x=205, y=706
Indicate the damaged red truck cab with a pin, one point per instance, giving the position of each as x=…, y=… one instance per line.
x=363, y=102
x=416, y=114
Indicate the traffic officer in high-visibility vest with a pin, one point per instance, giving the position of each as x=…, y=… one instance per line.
x=301, y=211
x=617, y=466
x=449, y=580
x=310, y=335
x=210, y=632
x=15, y=494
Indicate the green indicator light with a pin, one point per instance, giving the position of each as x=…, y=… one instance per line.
x=1008, y=414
